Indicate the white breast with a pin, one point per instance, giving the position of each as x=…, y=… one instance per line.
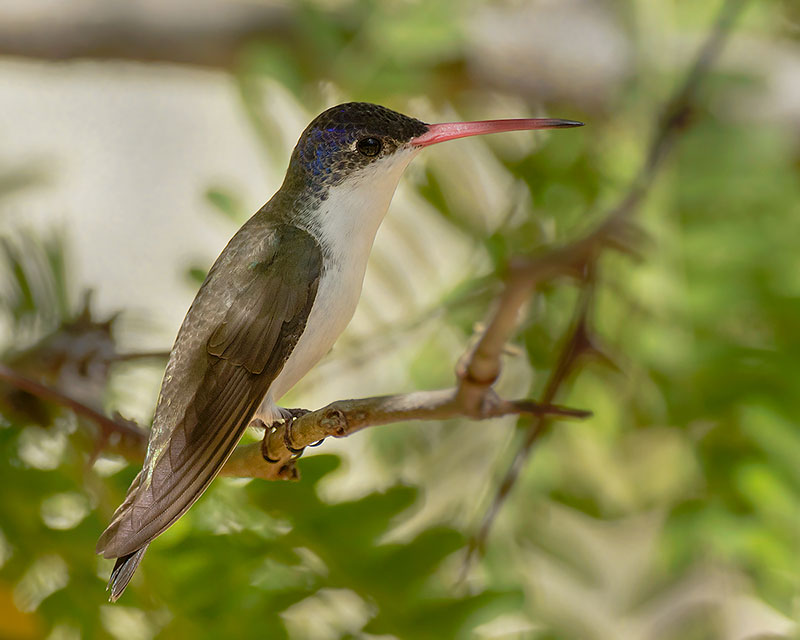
x=348, y=221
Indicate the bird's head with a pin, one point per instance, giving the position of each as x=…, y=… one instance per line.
x=351, y=141
x=355, y=140
x=348, y=162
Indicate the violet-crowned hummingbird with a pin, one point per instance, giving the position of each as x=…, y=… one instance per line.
x=272, y=305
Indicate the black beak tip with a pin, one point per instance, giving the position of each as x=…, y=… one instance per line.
x=566, y=124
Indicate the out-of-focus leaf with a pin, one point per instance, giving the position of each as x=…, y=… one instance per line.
x=227, y=203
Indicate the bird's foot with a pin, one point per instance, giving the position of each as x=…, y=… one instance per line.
x=258, y=423
x=288, y=417
x=265, y=440
x=292, y=414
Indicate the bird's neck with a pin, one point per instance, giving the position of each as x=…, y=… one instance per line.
x=345, y=218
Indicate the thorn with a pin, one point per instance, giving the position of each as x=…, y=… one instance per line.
x=85, y=314
x=626, y=237
x=582, y=339
x=597, y=353
x=108, y=323
x=534, y=408
x=101, y=442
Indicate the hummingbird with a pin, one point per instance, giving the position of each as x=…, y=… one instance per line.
x=272, y=305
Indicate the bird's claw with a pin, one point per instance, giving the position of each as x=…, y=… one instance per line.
x=287, y=439
x=286, y=420
x=289, y=416
x=265, y=446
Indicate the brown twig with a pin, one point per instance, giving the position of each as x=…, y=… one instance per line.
x=576, y=344
x=615, y=231
x=141, y=355
x=105, y=423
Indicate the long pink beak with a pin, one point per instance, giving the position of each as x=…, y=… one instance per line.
x=452, y=130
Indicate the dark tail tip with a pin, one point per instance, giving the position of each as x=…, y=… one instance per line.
x=122, y=573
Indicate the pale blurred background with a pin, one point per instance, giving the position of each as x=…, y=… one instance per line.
x=136, y=136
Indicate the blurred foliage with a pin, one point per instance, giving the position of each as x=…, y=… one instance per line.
x=68, y=350
x=673, y=513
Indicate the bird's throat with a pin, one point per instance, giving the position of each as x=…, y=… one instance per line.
x=344, y=224
x=347, y=219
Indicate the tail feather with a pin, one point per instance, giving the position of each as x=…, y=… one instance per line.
x=123, y=572
x=113, y=527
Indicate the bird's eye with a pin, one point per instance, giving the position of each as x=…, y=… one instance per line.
x=369, y=146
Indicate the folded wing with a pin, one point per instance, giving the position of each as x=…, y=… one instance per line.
x=243, y=351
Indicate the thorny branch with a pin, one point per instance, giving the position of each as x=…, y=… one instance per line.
x=580, y=259
x=338, y=419
x=106, y=424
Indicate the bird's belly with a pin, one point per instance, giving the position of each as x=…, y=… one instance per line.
x=337, y=296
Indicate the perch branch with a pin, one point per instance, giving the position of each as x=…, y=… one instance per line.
x=338, y=419
x=345, y=417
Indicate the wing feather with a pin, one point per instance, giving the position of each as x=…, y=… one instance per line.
x=243, y=354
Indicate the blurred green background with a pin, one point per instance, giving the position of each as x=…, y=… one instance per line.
x=134, y=139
